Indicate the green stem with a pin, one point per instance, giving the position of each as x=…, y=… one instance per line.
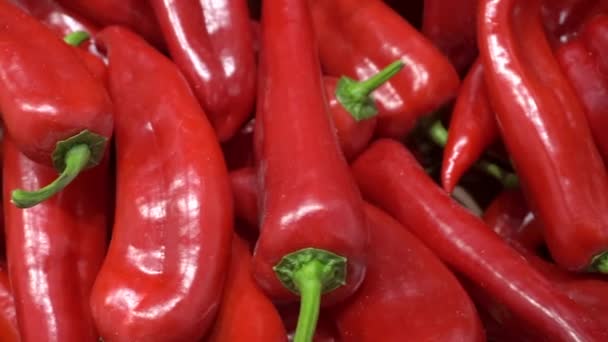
x=308, y=281
x=438, y=134
x=76, y=38
x=600, y=263
x=364, y=88
x=76, y=159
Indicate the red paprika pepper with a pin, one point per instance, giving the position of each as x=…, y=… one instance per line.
x=211, y=42
x=544, y=128
x=359, y=37
x=9, y=331
x=389, y=176
x=52, y=107
x=404, y=286
x=313, y=233
x=164, y=272
x=472, y=128
x=245, y=314
x=54, y=250
x=450, y=25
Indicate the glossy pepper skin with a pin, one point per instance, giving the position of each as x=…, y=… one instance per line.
x=450, y=25
x=245, y=314
x=50, y=103
x=389, y=176
x=357, y=38
x=404, y=286
x=211, y=42
x=54, y=250
x=9, y=331
x=134, y=14
x=472, y=128
x=173, y=223
x=544, y=128
x=311, y=211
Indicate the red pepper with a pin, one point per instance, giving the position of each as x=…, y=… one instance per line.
x=353, y=110
x=595, y=36
x=134, y=14
x=244, y=194
x=238, y=151
x=472, y=128
x=563, y=19
x=245, y=314
x=389, y=176
x=9, y=331
x=55, y=249
x=313, y=232
x=359, y=37
x=164, y=272
x=450, y=25
x=544, y=128
x=404, y=286
x=52, y=107
x=211, y=42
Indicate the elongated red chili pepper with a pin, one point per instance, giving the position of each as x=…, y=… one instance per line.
x=9, y=331
x=472, y=128
x=164, y=272
x=55, y=249
x=451, y=26
x=245, y=314
x=359, y=37
x=52, y=107
x=390, y=176
x=211, y=42
x=544, y=128
x=314, y=235
x=404, y=285
x=134, y=14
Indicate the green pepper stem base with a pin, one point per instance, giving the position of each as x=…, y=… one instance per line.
x=600, y=263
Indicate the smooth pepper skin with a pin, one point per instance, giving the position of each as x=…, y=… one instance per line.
x=310, y=199
x=163, y=275
x=390, y=177
x=9, y=331
x=544, y=128
x=404, y=286
x=55, y=249
x=472, y=128
x=46, y=92
x=357, y=38
x=211, y=42
x=246, y=314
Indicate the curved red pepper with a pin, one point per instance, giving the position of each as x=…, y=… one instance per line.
x=390, y=176
x=544, y=127
x=52, y=107
x=314, y=236
x=451, y=26
x=211, y=42
x=164, y=272
x=134, y=14
x=472, y=128
x=55, y=249
x=245, y=314
x=359, y=37
x=404, y=286
x=9, y=331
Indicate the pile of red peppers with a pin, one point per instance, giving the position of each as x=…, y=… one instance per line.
x=304, y=170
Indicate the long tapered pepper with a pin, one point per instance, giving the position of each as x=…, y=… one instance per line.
x=544, y=128
x=472, y=128
x=313, y=233
x=55, y=249
x=211, y=42
x=9, y=331
x=246, y=314
x=164, y=272
x=404, y=285
x=389, y=176
x=357, y=38
x=53, y=108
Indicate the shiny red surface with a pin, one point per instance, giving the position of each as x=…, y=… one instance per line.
x=55, y=249
x=309, y=198
x=9, y=331
x=164, y=272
